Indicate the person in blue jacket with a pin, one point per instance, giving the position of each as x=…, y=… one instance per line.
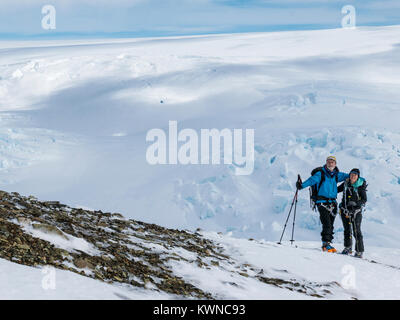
x=326, y=198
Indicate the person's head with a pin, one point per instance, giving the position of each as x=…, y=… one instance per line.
x=354, y=175
x=331, y=163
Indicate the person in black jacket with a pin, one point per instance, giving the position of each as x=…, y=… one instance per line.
x=354, y=199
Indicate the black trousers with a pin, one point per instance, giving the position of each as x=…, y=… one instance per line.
x=355, y=224
x=327, y=218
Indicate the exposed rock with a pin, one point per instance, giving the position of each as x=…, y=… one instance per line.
x=82, y=263
x=124, y=246
x=23, y=246
x=24, y=220
x=120, y=250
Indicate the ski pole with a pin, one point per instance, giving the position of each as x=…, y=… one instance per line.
x=294, y=219
x=294, y=214
x=351, y=228
x=355, y=230
x=287, y=219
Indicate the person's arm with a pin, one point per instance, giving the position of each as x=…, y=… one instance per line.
x=362, y=191
x=340, y=188
x=342, y=176
x=316, y=178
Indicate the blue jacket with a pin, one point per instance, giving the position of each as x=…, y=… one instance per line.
x=328, y=188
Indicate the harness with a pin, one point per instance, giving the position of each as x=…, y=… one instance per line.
x=350, y=214
x=330, y=208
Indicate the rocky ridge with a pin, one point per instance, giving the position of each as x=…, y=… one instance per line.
x=110, y=248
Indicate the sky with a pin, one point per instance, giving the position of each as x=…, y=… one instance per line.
x=126, y=18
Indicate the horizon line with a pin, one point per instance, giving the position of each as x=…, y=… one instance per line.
x=80, y=35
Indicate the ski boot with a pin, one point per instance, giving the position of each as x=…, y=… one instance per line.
x=326, y=246
x=358, y=255
x=347, y=251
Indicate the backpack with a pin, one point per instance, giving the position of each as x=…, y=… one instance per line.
x=315, y=188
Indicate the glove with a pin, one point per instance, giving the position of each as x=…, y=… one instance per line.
x=298, y=185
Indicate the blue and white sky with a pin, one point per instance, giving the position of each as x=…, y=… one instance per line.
x=119, y=18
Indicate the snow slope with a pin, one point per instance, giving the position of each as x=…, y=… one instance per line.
x=257, y=270
x=19, y=282
x=344, y=277
x=74, y=118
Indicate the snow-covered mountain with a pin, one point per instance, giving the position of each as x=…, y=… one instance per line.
x=74, y=117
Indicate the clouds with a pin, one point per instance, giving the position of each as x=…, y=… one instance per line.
x=167, y=17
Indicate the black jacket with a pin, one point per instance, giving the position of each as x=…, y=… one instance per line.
x=356, y=195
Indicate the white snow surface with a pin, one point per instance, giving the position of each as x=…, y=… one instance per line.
x=302, y=265
x=44, y=283
x=74, y=118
